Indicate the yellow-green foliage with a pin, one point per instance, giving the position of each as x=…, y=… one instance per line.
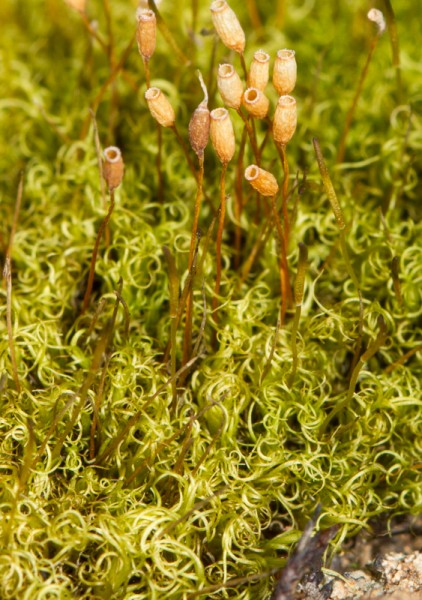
x=157, y=502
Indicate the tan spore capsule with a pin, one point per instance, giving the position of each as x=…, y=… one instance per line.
x=222, y=134
x=160, y=107
x=113, y=167
x=259, y=71
x=227, y=26
x=261, y=180
x=79, y=5
x=146, y=32
x=230, y=86
x=285, y=120
x=256, y=103
x=285, y=71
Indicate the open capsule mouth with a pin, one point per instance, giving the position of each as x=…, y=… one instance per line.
x=145, y=14
x=251, y=173
x=219, y=114
x=286, y=101
x=226, y=71
x=252, y=95
x=152, y=93
x=286, y=54
x=218, y=5
x=112, y=154
x=261, y=56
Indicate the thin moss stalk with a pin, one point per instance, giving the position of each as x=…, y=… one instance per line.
x=341, y=223
x=238, y=189
x=94, y=256
x=185, y=152
x=219, y=242
x=394, y=37
x=7, y=275
x=168, y=36
x=174, y=305
x=285, y=194
x=189, y=306
x=369, y=353
x=286, y=291
x=298, y=297
x=395, y=274
x=358, y=91
x=109, y=81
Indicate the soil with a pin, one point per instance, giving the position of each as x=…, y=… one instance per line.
x=381, y=564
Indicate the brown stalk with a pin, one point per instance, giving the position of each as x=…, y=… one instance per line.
x=95, y=423
x=285, y=194
x=174, y=306
x=286, y=292
x=352, y=109
x=115, y=71
x=259, y=243
x=220, y=238
x=99, y=352
x=185, y=152
x=92, y=32
x=187, y=341
x=101, y=230
x=160, y=191
x=167, y=35
x=239, y=197
x=8, y=278
x=394, y=37
x=254, y=14
x=100, y=170
x=7, y=275
x=251, y=135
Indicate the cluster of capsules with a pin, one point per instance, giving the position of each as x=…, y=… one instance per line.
x=216, y=124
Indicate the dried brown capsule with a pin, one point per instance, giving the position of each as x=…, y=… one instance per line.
x=222, y=134
x=285, y=71
x=262, y=181
x=230, y=86
x=259, y=71
x=256, y=103
x=199, y=129
x=227, y=26
x=285, y=120
x=113, y=167
x=160, y=108
x=199, y=125
x=146, y=32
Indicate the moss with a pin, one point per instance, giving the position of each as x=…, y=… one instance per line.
x=109, y=489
